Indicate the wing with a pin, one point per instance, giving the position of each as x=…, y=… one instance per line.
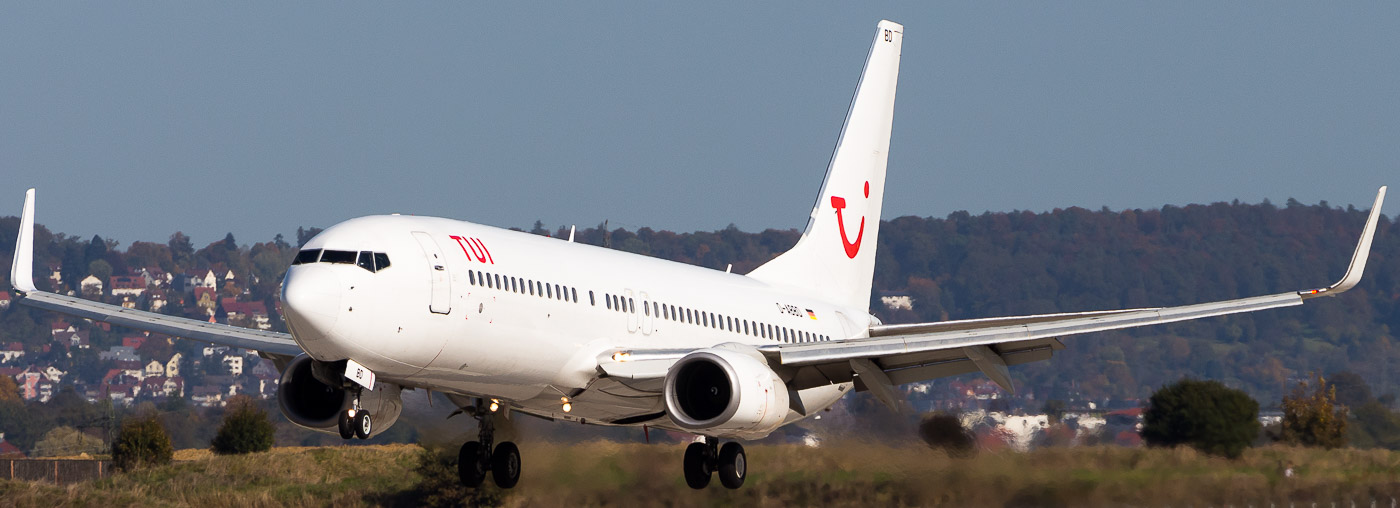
x=22, y=278
x=897, y=354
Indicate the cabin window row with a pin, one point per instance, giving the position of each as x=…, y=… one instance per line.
x=729, y=323
x=521, y=285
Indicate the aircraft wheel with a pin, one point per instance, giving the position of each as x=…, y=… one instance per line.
x=733, y=465
x=363, y=425
x=505, y=465
x=346, y=425
x=470, y=469
x=697, y=465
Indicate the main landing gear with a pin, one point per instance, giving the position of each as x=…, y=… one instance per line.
x=477, y=457
x=704, y=459
x=355, y=422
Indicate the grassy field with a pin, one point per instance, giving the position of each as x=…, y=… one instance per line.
x=615, y=474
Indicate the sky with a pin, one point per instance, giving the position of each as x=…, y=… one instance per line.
x=138, y=119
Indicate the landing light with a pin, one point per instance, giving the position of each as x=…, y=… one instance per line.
x=621, y=356
x=567, y=406
x=495, y=404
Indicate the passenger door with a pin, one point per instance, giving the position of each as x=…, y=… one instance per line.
x=439, y=276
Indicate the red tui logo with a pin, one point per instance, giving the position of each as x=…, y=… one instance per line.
x=839, y=203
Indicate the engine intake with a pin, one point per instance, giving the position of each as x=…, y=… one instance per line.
x=311, y=403
x=725, y=391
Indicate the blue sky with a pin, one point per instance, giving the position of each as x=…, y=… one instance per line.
x=138, y=119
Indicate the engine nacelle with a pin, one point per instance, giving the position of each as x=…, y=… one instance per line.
x=726, y=393
x=315, y=405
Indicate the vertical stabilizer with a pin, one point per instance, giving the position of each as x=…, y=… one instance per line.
x=22, y=270
x=835, y=258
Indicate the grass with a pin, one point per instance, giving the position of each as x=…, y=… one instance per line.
x=847, y=474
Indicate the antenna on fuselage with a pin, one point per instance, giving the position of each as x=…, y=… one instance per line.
x=571, y=232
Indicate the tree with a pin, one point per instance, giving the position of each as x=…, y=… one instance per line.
x=9, y=391
x=101, y=269
x=66, y=441
x=1205, y=415
x=1314, y=419
x=141, y=442
x=246, y=429
x=944, y=431
x=182, y=250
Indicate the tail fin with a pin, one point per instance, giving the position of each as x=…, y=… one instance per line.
x=22, y=269
x=835, y=258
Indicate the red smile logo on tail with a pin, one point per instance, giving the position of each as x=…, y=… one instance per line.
x=852, y=248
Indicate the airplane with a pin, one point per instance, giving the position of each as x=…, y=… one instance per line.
x=506, y=323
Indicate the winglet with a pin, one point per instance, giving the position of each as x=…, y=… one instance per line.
x=22, y=271
x=1358, y=258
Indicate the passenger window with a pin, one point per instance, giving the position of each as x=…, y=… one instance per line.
x=664, y=313
x=591, y=301
x=381, y=261
x=498, y=281
x=512, y=284
x=548, y=290
x=646, y=307
x=307, y=257
x=607, y=300
x=574, y=292
x=471, y=276
x=531, y=284
x=559, y=291
x=342, y=257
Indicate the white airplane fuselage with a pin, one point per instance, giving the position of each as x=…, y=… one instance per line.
x=475, y=310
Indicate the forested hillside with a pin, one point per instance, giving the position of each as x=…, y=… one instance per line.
x=967, y=266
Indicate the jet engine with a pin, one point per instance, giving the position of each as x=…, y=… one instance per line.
x=726, y=392
x=310, y=402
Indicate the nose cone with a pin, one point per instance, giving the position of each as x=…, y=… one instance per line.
x=311, y=302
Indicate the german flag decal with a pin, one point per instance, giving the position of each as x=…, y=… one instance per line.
x=811, y=314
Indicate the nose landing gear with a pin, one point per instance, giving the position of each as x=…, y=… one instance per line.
x=477, y=457
x=702, y=460
x=355, y=422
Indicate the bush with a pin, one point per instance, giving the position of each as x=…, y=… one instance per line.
x=246, y=429
x=1314, y=420
x=1202, y=414
x=67, y=441
x=944, y=431
x=141, y=442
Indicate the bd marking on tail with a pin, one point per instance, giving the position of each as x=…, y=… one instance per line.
x=852, y=248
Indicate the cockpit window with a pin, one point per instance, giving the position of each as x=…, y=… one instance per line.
x=338, y=256
x=307, y=256
x=372, y=261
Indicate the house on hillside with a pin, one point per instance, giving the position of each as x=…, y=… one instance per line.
x=206, y=299
x=4, y=300
x=234, y=364
x=11, y=351
x=172, y=366
x=91, y=285
x=55, y=274
x=134, y=341
x=72, y=340
x=120, y=354
x=156, y=300
x=155, y=277
x=8, y=450
x=155, y=369
x=128, y=285
x=194, y=279
x=252, y=314
x=61, y=326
